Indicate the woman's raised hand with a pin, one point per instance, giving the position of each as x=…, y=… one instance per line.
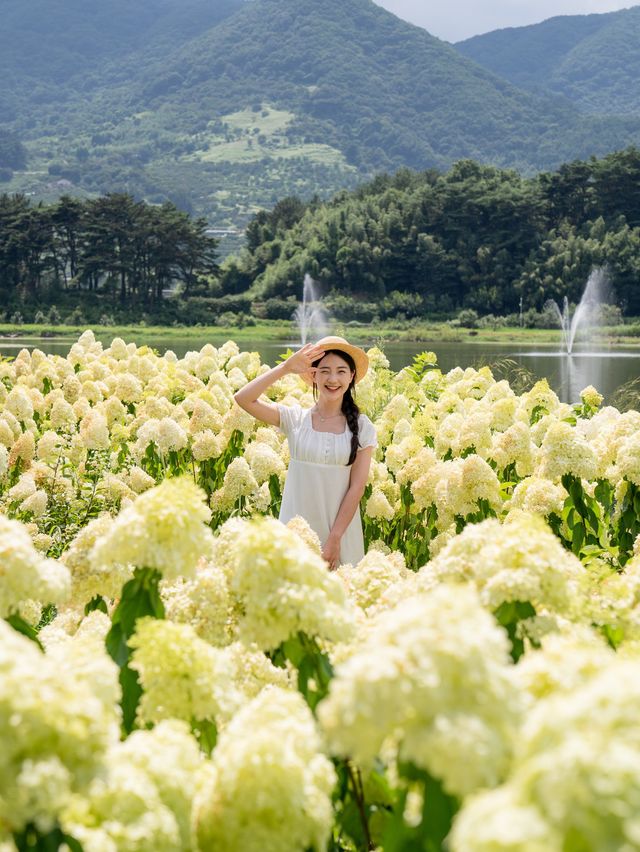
x=300, y=362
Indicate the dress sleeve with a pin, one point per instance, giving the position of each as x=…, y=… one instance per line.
x=290, y=418
x=367, y=436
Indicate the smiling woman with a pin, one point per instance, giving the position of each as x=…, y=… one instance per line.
x=330, y=444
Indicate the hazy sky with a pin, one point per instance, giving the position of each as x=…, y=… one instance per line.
x=454, y=20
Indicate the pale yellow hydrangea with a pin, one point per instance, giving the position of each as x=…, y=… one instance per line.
x=203, y=602
x=284, y=587
x=434, y=677
x=271, y=786
x=54, y=733
x=182, y=676
x=378, y=507
x=521, y=560
x=144, y=802
x=24, y=573
x=565, y=661
x=264, y=462
x=301, y=527
x=165, y=528
x=538, y=496
x=89, y=578
x=564, y=450
x=576, y=777
x=373, y=576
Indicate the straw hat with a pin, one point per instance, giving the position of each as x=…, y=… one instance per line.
x=359, y=355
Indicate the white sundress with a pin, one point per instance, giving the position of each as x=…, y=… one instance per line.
x=318, y=476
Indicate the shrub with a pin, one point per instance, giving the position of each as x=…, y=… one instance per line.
x=76, y=317
x=54, y=318
x=468, y=318
x=227, y=318
x=279, y=309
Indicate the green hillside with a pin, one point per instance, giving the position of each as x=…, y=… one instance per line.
x=51, y=50
x=593, y=60
x=224, y=109
x=475, y=237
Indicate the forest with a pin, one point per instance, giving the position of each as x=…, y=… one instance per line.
x=411, y=244
x=127, y=251
x=476, y=236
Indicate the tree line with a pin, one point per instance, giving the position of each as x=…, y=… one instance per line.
x=476, y=237
x=127, y=251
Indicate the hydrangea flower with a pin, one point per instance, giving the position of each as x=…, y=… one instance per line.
x=434, y=677
x=271, y=785
x=164, y=528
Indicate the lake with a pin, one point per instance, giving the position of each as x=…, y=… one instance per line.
x=606, y=369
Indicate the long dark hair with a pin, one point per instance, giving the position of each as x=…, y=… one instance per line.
x=349, y=407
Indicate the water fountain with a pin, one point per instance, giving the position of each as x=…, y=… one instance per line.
x=577, y=369
x=310, y=316
x=588, y=313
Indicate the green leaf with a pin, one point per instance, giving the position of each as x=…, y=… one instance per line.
x=437, y=814
x=206, y=733
x=32, y=840
x=96, y=603
x=509, y=614
x=140, y=597
x=18, y=623
x=578, y=538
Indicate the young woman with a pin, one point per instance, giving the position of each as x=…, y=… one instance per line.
x=331, y=444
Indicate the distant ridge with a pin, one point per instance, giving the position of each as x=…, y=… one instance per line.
x=593, y=60
x=223, y=108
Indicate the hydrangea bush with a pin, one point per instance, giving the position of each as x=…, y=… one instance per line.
x=179, y=671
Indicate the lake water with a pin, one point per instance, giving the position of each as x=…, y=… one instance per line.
x=606, y=369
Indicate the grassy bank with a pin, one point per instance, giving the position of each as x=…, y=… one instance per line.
x=274, y=330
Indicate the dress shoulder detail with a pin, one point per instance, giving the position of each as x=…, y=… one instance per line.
x=367, y=436
x=290, y=417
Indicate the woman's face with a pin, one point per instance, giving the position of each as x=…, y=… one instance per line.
x=333, y=377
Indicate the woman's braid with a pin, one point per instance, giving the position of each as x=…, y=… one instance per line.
x=351, y=412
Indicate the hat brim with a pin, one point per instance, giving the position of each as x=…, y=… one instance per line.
x=359, y=356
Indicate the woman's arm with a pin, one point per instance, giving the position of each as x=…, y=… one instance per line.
x=247, y=397
x=349, y=505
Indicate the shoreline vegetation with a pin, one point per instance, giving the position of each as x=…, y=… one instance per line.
x=274, y=331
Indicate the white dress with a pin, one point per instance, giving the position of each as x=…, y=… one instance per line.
x=318, y=476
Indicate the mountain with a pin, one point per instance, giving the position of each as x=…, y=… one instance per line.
x=593, y=60
x=49, y=44
x=225, y=107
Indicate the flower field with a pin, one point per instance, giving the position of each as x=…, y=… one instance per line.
x=179, y=671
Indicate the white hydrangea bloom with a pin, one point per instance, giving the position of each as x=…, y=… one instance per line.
x=538, y=496
x=140, y=806
x=564, y=450
x=238, y=482
x=24, y=573
x=284, y=587
x=576, y=778
x=435, y=677
x=378, y=507
x=521, y=560
x=264, y=461
x=54, y=733
x=183, y=677
x=164, y=528
x=203, y=602
x=88, y=577
x=271, y=785
x=301, y=527
x=373, y=576
x=94, y=430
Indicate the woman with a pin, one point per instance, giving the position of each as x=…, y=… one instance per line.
x=331, y=444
